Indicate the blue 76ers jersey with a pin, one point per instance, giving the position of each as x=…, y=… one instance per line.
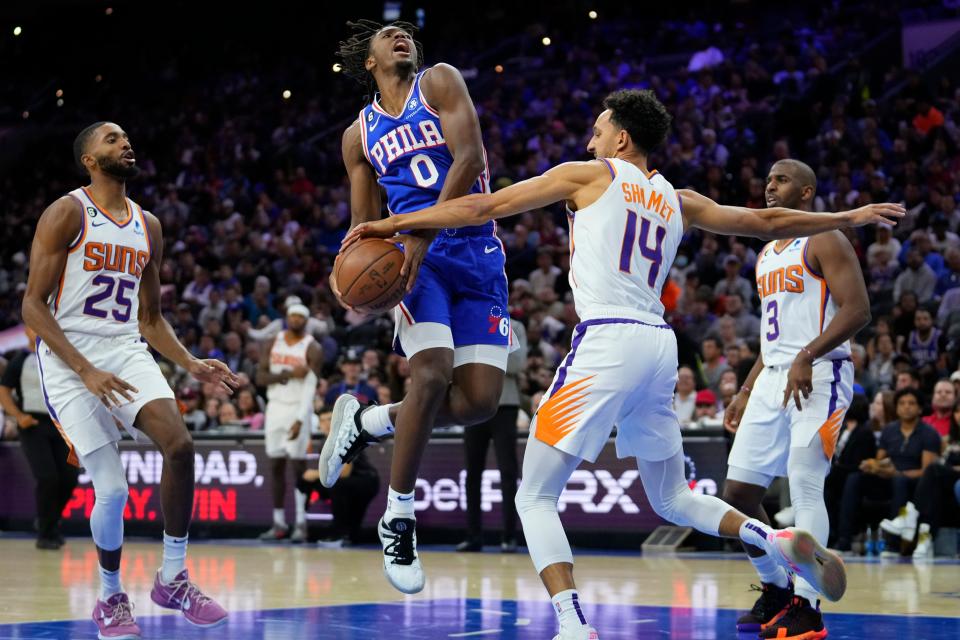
x=409, y=153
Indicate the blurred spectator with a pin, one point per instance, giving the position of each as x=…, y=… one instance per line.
x=937, y=503
x=923, y=343
x=249, y=411
x=881, y=365
x=713, y=363
x=194, y=417
x=746, y=325
x=700, y=322
x=706, y=414
x=733, y=282
x=351, y=382
x=545, y=275
x=918, y=278
x=685, y=397
x=944, y=398
x=857, y=442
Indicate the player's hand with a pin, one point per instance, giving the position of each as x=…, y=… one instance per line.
x=294, y=430
x=299, y=372
x=799, y=379
x=383, y=228
x=26, y=421
x=214, y=371
x=734, y=412
x=884, y=213
x=335, y=289
x=414, y=251
x=107, y=387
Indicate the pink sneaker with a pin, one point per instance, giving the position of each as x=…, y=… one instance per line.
x=115, y=618
x=197, y=608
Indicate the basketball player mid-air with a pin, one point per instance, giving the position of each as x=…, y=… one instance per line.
x=420, y=138
x=93, y=298
x=817, y=283
x=626, y=223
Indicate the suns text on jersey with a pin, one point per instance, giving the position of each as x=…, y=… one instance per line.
x=106, y=256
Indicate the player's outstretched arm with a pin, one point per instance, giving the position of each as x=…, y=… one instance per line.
x=157, y=331
x=776, y=222
x=563, y=182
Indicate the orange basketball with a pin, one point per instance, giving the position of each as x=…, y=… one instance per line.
x=368, y=275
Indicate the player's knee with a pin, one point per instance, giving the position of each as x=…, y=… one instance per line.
x=481, y=409
x=430, y=386
x=739, y=496
x=528, y=500
x=179, y=451
x=113, y=494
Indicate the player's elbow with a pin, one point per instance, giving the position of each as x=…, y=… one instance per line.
x=864, y=316
x=473, y=162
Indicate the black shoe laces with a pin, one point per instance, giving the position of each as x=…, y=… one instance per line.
x=359, y=440
x=400, y=547
x=768, y=603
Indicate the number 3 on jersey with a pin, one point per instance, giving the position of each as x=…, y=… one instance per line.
x=654, y=254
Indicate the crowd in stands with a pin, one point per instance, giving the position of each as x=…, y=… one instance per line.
x=253, y=216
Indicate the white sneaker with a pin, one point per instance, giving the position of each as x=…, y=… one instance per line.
x=345, y=440
x=798, y=551
x=299, y=534
x=904, y=525
x=577, y=633
x=401, y=564
x=785, y=517
x=924, y=550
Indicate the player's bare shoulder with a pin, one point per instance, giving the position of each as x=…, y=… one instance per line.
x=62, y=220
x=352, y=140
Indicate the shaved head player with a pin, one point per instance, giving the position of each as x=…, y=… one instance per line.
x=93, y=298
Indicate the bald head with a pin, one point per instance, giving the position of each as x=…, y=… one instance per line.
x=791, y=184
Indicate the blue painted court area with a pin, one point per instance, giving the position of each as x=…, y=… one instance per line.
x=481, y=619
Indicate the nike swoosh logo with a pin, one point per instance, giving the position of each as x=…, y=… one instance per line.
x=107, y=620
x=373, y=125
x=404, y=499
x=94, y=224
x=489, y=249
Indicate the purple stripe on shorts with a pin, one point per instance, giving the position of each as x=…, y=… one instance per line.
x=599, y=321
x=837, y=364
x=579, y=332
x=43, y=387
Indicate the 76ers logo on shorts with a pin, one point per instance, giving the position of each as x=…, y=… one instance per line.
x=498, y=322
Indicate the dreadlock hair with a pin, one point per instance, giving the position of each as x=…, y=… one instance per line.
x=355, y=50
x=80, y=143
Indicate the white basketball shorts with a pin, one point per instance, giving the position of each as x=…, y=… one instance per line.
x=277, y=420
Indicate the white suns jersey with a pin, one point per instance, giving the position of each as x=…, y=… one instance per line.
x=795, y=302
x=99, y=287
x=286, y=357
x=623, y=244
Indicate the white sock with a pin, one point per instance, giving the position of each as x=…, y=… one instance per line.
x=174, y=557
x=376, y=420
x=399, y=505
x=109, y=583
x=769, y=571
x=567, y=605
x=300, y=499
x=754, y=532
x=279, y=518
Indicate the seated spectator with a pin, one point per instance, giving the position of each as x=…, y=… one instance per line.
x=227, y=414
x=746, y=324
x=707, y=413
x=728, y=387
x=882, y=273
x=198, y=290
x=349, y=498
x=944, y=398
x=733, y=282
x=194, y=417
x=918, y=277
x=259, y=303
x=713, y=364
x=923, y=344
x=906, y=448
x=545, y=275
x=857, y=442
x=212, y=410
x=249, y=411
x=884, y=243
x=700, y=322
x=881, y=365
x=938, y=505
x=350, y=367
x=685, y=397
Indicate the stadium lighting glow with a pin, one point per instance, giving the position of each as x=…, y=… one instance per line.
x=337, y=67
x=60, y=102
x=286, y=94
x=25, y=114
x=593, y=15
x=109, y=11
x=59, y=93
x=17, y=31
x=98, y=78
x=498, y=68
x=546, y=41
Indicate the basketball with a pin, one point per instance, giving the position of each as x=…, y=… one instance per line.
x=368, y=275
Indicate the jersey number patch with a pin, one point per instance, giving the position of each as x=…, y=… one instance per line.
x=117, y=288
x=653, y=254
x=423, y=170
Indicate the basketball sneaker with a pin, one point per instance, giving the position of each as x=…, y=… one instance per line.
x=345, y=441
x=199, y=609
x=798, y=551
x=801, y=621
x=577, y=633
x=771, y=604
x=299, y=534
x=275, y=532
x=401, y=564
x=924, y=550
x=115, y=619
x=904, y=525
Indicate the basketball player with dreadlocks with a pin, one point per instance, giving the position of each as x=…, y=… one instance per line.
x=420, y=138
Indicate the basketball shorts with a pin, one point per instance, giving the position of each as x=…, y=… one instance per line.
x=767, y=431
x=459, y=301
x=277, y=420
x=619, y=372
x=80, y=415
